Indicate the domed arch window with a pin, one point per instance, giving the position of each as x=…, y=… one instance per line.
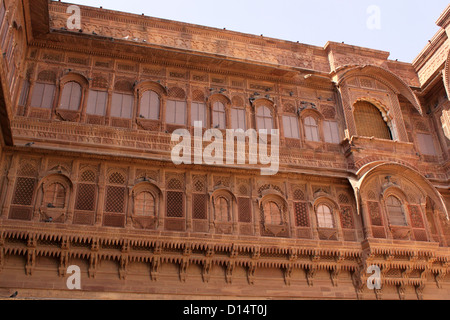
x=145, y=204
x=264, y=119
x=150, y=105
x=222, y=209
x=273, y=214
x=395, y=211
x=370, y=122
x=54, y=196
x=325, y=217
x=311, y=129
x=71, y=96
x=219, y=116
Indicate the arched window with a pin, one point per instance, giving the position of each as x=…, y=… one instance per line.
x=71, y=96
x=222, y=209
x=145, y=204
x=54, y=196
x=264, y=119
x=272, y=213
x=324, y=217
x=311, y=130
x=150, y=105
x=369, y=121
x=395, y=211
x=219, y=116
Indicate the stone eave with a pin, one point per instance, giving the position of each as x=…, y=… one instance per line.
x=430, y=49
x=178, y=58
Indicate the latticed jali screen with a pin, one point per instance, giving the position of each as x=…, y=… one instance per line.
x=378, y=230
x=347, y=217
x=85, y=197
x=301, y=214
x=115, y=199
x=175, y=204
x=417, y=223
x=369, y=121
x=244, y=210
x=199, y=206
x=23, y=194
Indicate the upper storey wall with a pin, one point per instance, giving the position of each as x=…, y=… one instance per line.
x=192, y=38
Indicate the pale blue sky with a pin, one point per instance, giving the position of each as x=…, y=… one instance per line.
x=406, y=25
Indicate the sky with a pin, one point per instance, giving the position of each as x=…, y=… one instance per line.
x=401, y=27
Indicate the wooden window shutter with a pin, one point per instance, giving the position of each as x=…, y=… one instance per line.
x=71, y=96
x=331, y=132
x=264, y=119
x=43, y=95
x=97, y=103
x=176, y=112
x=219, y=121
x=426, y=144
x=311, y=130
x=38, y=94
x=238, y=119
x=198, y=113
x=24, y=93
x=149, y=105
x=369, y=121
x=290, y=127
x=122, y=105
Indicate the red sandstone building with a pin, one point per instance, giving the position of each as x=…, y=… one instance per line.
x=86, y=177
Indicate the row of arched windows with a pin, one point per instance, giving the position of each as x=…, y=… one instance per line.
x=52, y=197
x=155, y=103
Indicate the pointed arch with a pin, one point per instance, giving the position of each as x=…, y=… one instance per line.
x=403, y=170
x=446, y=75
x=386, y=77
